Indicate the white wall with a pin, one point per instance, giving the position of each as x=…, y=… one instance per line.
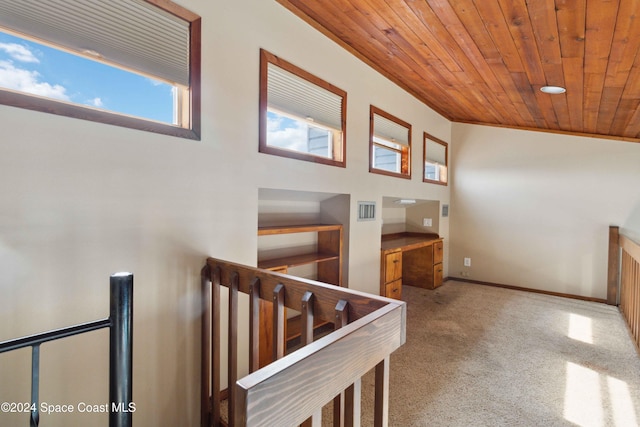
x=394, y=220
x=532, y=209
x=82, y=200
x=417, y=214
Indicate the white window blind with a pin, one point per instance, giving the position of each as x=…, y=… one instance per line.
x=436, y=153
x=390, y=130
x=130, y=33
x=294, y=95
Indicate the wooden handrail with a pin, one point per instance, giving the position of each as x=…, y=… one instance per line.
x=296, y=386
x=307, y=379
x=327, y=296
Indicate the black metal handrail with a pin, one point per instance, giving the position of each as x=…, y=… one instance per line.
x=120, y=322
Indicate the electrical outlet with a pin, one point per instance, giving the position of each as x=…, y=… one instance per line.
x=467, y=262
x=427, y=222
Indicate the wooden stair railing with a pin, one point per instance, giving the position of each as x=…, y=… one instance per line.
x=624, y=279
x=292, y=389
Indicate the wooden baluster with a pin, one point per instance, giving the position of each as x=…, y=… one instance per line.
x=635, y=282
x=341, y=319
x=306, y=337
x=630, y=290
x=342, y=314
x=381, y=415
x=352, y=399
x=613, y=271
x=232, y=364
x=636, y=298
x=623, y=283
x=630, y=309
x=633, y=298
x=205, y=357
x=306, y=327
x=627, y=285
x=278, y=321
x=339, y=410
x=215, y=348
x=254, y=325
x=632, y=293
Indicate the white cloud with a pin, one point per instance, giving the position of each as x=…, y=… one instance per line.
x=28, y=81
x=293, y=138
x=96, y=102
x=19, y=52
x=154, y=82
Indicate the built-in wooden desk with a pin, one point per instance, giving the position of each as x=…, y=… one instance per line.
x=413, y=259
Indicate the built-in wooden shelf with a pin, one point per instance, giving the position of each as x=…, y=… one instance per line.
x=328, y=253
x=296, y=260
x=328, y=258
x=287, y=229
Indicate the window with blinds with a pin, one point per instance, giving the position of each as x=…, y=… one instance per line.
x=390, y=144
x=131, y=63
x=436, y=160
x=301, y=115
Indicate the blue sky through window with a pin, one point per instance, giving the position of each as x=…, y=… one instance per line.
x=284, y=132
x=37, y=69
x=297, y=135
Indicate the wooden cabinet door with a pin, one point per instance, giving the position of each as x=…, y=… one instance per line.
x=437, y=252
x=393, y=267
x=437, y=275
x=394, y=289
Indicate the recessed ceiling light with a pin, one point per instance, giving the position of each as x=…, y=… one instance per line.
x=553, y=89
x=405, y=201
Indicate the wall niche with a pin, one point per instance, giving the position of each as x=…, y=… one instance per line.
x=280, y=207
x=401, y=214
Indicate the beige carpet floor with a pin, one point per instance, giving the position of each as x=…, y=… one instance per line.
x=484, y=356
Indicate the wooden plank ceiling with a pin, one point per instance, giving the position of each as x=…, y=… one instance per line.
x=484, y=61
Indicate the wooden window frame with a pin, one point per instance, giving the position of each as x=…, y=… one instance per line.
x=426, y=137
x=190, y=108
x=339, y=149
x=405, y=151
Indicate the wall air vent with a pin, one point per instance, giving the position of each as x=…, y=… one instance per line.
x=366, y=211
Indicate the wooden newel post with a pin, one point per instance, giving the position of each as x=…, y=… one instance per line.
x=613, y=275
